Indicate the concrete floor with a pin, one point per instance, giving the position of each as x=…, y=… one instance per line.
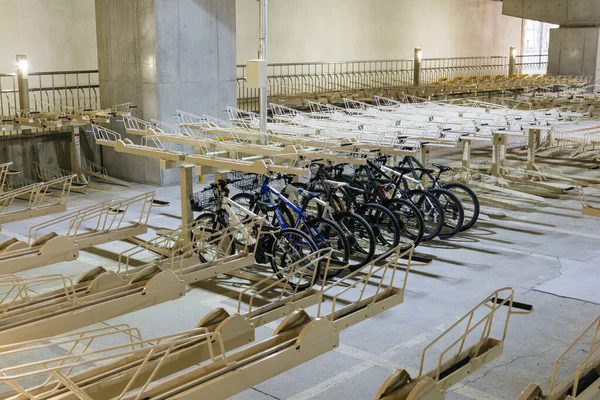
x=524, y=250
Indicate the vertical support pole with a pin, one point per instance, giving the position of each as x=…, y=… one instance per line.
x=424, y=158
x=417, y=67
x=263, y=56
x=187, y=189
x=466, y=156
x=496, y=139
x=23, y=83
x=533, y=139
x=512, y=61
x=503, y=151
x=75, y=150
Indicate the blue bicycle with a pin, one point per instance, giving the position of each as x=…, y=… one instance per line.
x=325, y=232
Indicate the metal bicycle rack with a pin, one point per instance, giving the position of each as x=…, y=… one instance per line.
x=210, y=360
x=462, y=122
x=98, y=172
x=102, y=294
x=91, y=226
x=36, y=198
x=584, y=383
x=459, y=358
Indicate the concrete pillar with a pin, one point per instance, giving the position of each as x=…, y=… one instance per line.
x=575, y=51
x=164, y=55
x=574, y=47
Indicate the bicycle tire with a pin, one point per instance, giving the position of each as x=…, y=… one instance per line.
x=209, y=252
x=385, y=228
x=411, y=221
x=361, y=238
x=453, y=212
x=330, y=235
x=431, y=210
x=292, y=256
x=469, y=201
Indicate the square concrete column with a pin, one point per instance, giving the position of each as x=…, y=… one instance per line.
x=164, y=55
x=575, y=51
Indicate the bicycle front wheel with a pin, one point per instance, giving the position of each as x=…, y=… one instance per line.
x=361, y=238
x=207, y=241
x=412, y=226
x=385, y=227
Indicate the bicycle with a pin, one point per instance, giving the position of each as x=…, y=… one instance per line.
x=379, y=188
x=280, y=247
x=342, y=197
x=466, y=195
x=358, y=232
x=324, y=232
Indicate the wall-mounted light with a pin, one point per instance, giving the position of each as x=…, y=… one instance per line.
x=23, y=64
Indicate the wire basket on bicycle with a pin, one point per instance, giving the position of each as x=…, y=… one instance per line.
x=247, y=183
x=203, y=200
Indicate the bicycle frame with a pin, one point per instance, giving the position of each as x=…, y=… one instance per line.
x=225, y=205
x=411, y=161
x=267, y=191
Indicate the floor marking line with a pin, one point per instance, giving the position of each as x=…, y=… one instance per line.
x=366, y=356
x=474, y=394
x=357, y=369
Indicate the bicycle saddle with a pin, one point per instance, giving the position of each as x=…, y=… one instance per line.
x=442, y=168
x=266, y=207
x=310, y=195
x=383, y=181
x=340, y=165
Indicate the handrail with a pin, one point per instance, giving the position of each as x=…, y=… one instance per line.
x=309, y=78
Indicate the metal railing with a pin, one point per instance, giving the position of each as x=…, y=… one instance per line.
x=531, y=64
x=289, y=79
x=433, y=69
x=54, y=91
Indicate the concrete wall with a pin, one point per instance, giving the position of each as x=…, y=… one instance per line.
x=340, y=30
x=55, y=34
x=195, y=49
x=47, y=150
x=562, y=12
x=574, y=51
